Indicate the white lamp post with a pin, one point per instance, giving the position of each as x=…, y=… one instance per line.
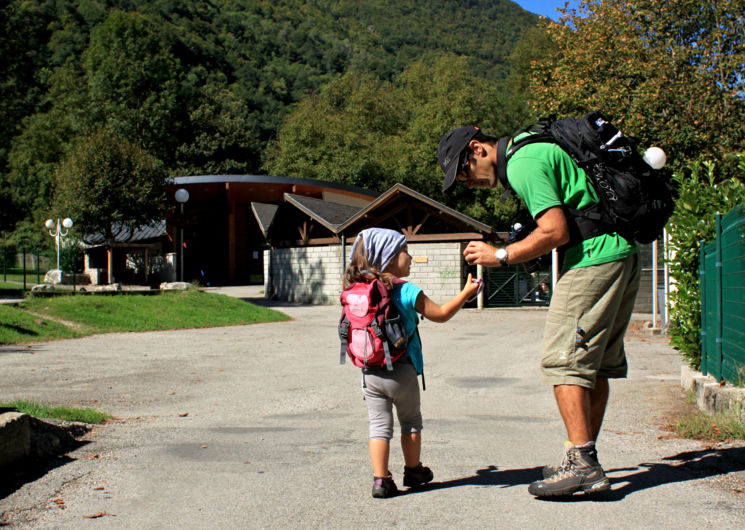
x=58, y=231
x=181, y=196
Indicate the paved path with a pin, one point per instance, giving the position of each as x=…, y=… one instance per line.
x=259, y=427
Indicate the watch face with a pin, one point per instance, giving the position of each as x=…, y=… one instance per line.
x=501, y=253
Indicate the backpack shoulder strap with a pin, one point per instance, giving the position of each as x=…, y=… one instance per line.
x=508, y=146
x=344, y=338
x=502, y=144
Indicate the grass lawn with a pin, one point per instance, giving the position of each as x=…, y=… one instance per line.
x=39, y=319
x=15, y=281
x=38, y=410
x=14, y=285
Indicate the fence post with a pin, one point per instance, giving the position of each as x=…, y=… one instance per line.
x=5, y=258
x=38, y=281
x=718, y=265
x=24, y=269
x=704, y=322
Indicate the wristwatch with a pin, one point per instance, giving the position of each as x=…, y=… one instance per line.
x=502, y=256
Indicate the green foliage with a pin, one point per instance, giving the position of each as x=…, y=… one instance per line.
x=700, y=197
x=112, y=185
x=668, y=72
x=133, y=80
x=368, y=132
x=21, y=55
x=203, y=85
x=38, y=410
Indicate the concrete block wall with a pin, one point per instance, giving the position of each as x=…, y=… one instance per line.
x=711, y=396
x=438, y=269
x=308, y=275
x=314, y=274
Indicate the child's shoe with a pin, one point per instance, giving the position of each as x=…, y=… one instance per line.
x=416, y=476
x=384, y=487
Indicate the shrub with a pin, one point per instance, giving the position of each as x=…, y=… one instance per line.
x=701, y=195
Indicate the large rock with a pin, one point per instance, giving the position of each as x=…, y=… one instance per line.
x=169, y=286
x=56, y=276
x=107, y=288
x=15, y=437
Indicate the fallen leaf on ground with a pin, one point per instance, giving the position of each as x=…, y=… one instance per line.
x=99, y=514
x=183, y=415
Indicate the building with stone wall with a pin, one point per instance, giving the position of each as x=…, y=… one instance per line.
x=314, y=274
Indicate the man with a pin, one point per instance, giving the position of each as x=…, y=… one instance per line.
x=592, y=302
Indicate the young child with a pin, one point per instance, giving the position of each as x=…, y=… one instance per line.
x=383, y=253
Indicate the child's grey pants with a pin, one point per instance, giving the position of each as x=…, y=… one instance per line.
x=383, y=389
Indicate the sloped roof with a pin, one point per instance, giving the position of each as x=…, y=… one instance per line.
x=330, y=214
x=386, y=204
x=264, y=214
x=306, y=220
x=142, y=234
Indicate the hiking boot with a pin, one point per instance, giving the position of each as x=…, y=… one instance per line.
x=416, y=476
x=384, y=487
x=579, y=471
x=550, y=470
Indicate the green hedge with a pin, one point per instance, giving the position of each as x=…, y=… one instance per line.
x=702, y=193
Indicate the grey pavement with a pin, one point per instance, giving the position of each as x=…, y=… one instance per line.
x=258, y=426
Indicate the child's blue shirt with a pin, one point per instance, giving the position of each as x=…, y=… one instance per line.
x=404, y=296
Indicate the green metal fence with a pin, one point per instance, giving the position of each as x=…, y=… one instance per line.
x=22, y=268
x=722, y=272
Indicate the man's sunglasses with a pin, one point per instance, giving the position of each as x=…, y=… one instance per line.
x=462, y=174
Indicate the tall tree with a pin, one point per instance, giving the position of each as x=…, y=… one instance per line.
x=109, y=186
x=204, y=85
x=134, y=81
x=372, y=133
x=670, y=72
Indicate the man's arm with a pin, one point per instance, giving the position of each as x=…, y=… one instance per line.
x=552, y=232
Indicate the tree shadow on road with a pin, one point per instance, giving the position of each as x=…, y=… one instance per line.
x=691, y=465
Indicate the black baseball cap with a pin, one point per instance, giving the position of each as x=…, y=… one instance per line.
x=449, y=150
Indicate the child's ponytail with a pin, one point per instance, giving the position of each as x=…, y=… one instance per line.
x=360, y=270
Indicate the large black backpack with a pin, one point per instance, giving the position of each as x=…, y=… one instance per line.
x=635, y=200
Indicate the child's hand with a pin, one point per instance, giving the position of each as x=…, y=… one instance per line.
x=472, y=288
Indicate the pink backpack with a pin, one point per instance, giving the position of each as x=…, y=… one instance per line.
x=371, y=330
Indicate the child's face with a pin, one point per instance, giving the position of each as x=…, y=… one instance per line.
x=400, y=265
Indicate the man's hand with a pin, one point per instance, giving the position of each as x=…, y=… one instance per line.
x=479, y=253
x=552, y=232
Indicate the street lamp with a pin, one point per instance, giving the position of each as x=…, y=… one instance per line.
x=57, y=231
x=181, y=196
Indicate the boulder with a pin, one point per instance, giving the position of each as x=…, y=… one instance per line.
x=171, y=286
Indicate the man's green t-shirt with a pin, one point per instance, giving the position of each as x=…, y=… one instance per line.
x=543, y=175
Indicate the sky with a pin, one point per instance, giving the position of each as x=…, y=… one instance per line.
x=547, y=8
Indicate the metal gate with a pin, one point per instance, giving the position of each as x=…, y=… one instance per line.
x=516, y=286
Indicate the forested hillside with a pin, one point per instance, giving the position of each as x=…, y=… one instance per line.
x=202, y=86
